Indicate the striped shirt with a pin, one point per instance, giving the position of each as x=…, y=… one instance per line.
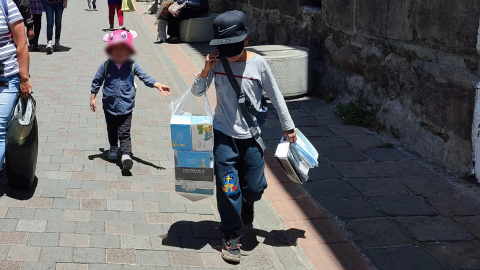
x=8, y=50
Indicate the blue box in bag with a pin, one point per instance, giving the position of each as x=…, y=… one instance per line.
x=192, y=159
x=181, y=132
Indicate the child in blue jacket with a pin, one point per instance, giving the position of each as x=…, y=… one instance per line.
x=117, y=76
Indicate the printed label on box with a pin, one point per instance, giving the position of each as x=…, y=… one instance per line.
x=202, y=133
x=181, y=132
x=191, y=159
x=194, y=174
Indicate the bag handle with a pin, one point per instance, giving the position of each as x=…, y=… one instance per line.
x=242, y=98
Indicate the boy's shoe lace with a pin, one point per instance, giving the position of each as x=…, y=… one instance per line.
x=231, y=249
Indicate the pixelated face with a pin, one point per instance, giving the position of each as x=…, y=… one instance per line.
x=120, y=53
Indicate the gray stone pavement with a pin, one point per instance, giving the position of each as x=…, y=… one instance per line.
x=86, y=214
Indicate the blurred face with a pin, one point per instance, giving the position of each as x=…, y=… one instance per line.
x=237, y=57
x=120, y=53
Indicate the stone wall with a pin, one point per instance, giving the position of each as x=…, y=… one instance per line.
x=414, y=62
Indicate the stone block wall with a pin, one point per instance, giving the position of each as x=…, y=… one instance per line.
x=414, y=62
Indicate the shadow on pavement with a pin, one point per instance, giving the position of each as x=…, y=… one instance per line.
x=42, y=49
x=197, y=235
x=18, y=194
x=104, y=153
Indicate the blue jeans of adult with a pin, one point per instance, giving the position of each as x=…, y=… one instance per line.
x=239, y=169
x=54, y=14
x=8, y=98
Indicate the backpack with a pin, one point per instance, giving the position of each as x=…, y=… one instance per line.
x=105, y=70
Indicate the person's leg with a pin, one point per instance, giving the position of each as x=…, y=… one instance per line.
x=8, y=97
x=229, y=195
x=112, y=130
x=49, y=13
x=174, y=22
x=124, y=127
x=111, y=15
x=94, y=4
x=119, y=15
x=252, y=177
x=58, y=22
x=89, y=2
x=37, y=25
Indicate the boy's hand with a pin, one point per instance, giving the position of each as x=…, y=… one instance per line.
x=93, y=106
x=290, y=134
x=165, y=90
x=210, y=62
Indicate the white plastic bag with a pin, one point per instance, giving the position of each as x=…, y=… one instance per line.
x=297, y=158
x=21, y=122
x=192, y=139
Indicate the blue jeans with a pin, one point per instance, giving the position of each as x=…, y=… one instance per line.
x=8, y=98
x=239, y=172
x=54, y=14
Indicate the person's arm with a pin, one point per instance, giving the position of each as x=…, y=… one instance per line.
x=24, y=8
x=150, y=81
x=23, y=57
x=203, y=80
x=97, y=83
x=270, y=86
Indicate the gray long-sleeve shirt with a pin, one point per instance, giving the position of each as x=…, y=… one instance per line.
x=254, y=76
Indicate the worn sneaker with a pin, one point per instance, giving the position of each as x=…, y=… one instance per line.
x=111, y=28
x=122, y=27
x=127, y=162
x=49, y=48
x=94, y=5
x=57, y=45
x=113, y=153
x=231, y=249
x=248, y=213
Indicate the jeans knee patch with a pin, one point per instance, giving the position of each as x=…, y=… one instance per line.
x=230, y=184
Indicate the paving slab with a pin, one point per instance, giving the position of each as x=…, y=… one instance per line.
x=403, y=206
x=379, y=186
x=456, y=255
x=350, y=208
x=402, y=258
x=377, y=232
x=434, y=228
x=455, y=205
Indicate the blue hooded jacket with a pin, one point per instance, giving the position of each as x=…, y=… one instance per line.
x=119, y=86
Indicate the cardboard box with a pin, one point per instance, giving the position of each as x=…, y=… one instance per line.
x=194, y=174
x=191, y=159
x=181, y=132
x=202, y=133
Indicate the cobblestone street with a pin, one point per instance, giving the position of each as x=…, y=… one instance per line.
x=369, y=205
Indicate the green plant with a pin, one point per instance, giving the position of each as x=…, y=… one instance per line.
x=355, y=113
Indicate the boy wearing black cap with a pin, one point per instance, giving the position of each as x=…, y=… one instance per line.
x=239, y=162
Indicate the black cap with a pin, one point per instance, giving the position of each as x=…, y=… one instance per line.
x=230, y=27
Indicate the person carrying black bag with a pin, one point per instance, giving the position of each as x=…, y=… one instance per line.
x=240, y=78
x=193, y=9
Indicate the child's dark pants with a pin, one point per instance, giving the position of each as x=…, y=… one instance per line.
x=118, y=127
x=239, y=168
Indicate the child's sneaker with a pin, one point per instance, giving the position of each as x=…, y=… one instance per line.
x=49, y=48
x=57, y=45
x=248, y=213
x=127, y=162
x=111, y=28
x=113, y=153
x=231, y=249
x=94, y=5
